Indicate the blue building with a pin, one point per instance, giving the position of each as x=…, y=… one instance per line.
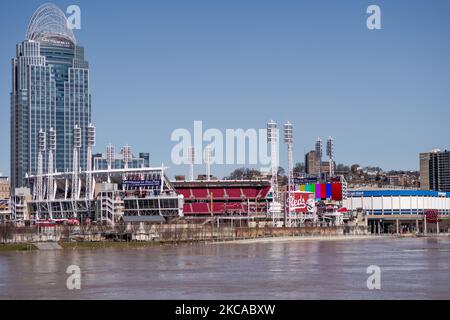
x=50, y=90
x=398, y=202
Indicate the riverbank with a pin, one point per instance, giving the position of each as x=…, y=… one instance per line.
x=166, y=233
x=82, y=245
x=17, y=247
x=13, y=247
x=108, y=244
x=310, y=238
x=333, y=238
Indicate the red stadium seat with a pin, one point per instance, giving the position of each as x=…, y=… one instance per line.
x=187, y=208
x=185, y=192
x=218, y=207
x=263, y=193
x=250, y=193
x=200, y=193
x=200, y=208
x=234, y=193
x=218, y=193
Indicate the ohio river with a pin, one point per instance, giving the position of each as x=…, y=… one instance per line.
x=416, y=268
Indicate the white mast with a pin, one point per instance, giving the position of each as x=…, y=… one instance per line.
x=127, y=155
x=75, y=161
x=51, y=167
x=191, y=158
x=110, y=154
x=208, y=155
x=90, y=146
x=272, y=139
x=289, y=139
x=40, y=165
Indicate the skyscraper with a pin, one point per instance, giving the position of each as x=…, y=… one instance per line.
x=50, y=90
x=435, y=170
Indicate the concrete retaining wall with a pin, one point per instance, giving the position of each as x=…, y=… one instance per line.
x=170, y=233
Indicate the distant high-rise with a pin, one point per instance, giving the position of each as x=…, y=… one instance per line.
x=50, y=90
x=435, y=170
x=146, y=157
x=311, y=162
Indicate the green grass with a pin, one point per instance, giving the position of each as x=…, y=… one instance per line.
x=107, y=244
x=16, y=247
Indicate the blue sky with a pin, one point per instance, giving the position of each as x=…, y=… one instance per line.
x=159, y=65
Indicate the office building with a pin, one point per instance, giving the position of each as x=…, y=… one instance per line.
x=50, y=93
x=435, y=170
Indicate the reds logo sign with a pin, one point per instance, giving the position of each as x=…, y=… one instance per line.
x=301, y=202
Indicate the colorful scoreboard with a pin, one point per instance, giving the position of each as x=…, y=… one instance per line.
x=323, y=191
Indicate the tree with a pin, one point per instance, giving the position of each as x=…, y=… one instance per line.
x=243, y=174
x=299, y=168
x=354, y=168
x=341, y=168
x=281, y=175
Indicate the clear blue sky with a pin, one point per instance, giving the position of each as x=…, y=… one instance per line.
x=159, y=65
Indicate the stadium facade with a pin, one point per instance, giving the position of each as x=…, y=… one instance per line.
x=398, y=202
x=396, y=211
x=104, y=196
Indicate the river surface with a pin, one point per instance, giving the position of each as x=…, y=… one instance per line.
x=416, y=268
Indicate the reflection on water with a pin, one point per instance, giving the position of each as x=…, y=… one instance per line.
x=411, y=269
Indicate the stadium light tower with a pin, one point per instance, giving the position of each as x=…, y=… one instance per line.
x=40, y=165
x=51, y=167
x=127, y=155
x=319, y=153
x=110, y=157
x=289, y=139
x=330, y=154
x=208, y=156
x=76, y=162
x=90, y=146
x=272, y=139
x=191, y=159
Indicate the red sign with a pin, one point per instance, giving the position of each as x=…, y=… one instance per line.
x=431, y=215
x=301, y=202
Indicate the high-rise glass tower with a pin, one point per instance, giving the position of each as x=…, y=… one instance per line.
x=50, y=90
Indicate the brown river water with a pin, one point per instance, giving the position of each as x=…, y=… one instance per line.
x=416, y=268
